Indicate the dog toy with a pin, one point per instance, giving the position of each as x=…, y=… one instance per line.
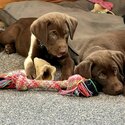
x=101, y=6
x=76, y=85
x=44, y=70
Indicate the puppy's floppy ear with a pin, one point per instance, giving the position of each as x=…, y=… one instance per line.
x=72, y=24
x=84, y=69
x=39, y=29
x=119, y=58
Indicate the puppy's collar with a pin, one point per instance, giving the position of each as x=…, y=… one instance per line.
x=41, y=45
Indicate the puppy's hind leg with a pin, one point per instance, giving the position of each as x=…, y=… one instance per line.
x=8, y=38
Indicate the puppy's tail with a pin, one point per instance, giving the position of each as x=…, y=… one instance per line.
x=123, y=18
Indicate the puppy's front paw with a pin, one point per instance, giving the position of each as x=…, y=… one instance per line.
x=66, y=75
x=78, y=70
x=29, y=68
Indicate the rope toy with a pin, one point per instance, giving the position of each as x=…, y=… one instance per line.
x=76, y=85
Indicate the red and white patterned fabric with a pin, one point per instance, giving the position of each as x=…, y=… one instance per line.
x=75, y=85
x=104, y=4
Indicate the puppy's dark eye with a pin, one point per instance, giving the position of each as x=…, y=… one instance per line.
x=66, y=35
x=53, y=34
x=115, y=70
x=102, y=76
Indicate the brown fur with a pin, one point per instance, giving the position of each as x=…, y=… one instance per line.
x=103, y=60
x=49, y=38
x=16, y=37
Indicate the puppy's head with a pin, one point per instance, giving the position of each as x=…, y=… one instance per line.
x=106, y=69
x=53, y=30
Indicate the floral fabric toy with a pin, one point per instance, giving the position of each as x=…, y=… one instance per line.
x=44, y=70
x=101, y=6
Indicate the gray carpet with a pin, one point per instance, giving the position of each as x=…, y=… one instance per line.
x=49, y=108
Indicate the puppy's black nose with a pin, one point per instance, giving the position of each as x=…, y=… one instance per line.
x=63, y=51
x=62, y=48
x=117, y=92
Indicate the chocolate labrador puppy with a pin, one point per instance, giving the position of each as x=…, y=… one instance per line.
x=45, y=37
x=52, y=30
x=102, y=59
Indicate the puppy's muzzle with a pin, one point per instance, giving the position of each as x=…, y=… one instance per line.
x=62, y=51
x=115, y=89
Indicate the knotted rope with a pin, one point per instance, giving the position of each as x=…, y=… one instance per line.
x=76, y=85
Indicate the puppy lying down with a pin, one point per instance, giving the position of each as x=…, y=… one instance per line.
x=102, y=58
